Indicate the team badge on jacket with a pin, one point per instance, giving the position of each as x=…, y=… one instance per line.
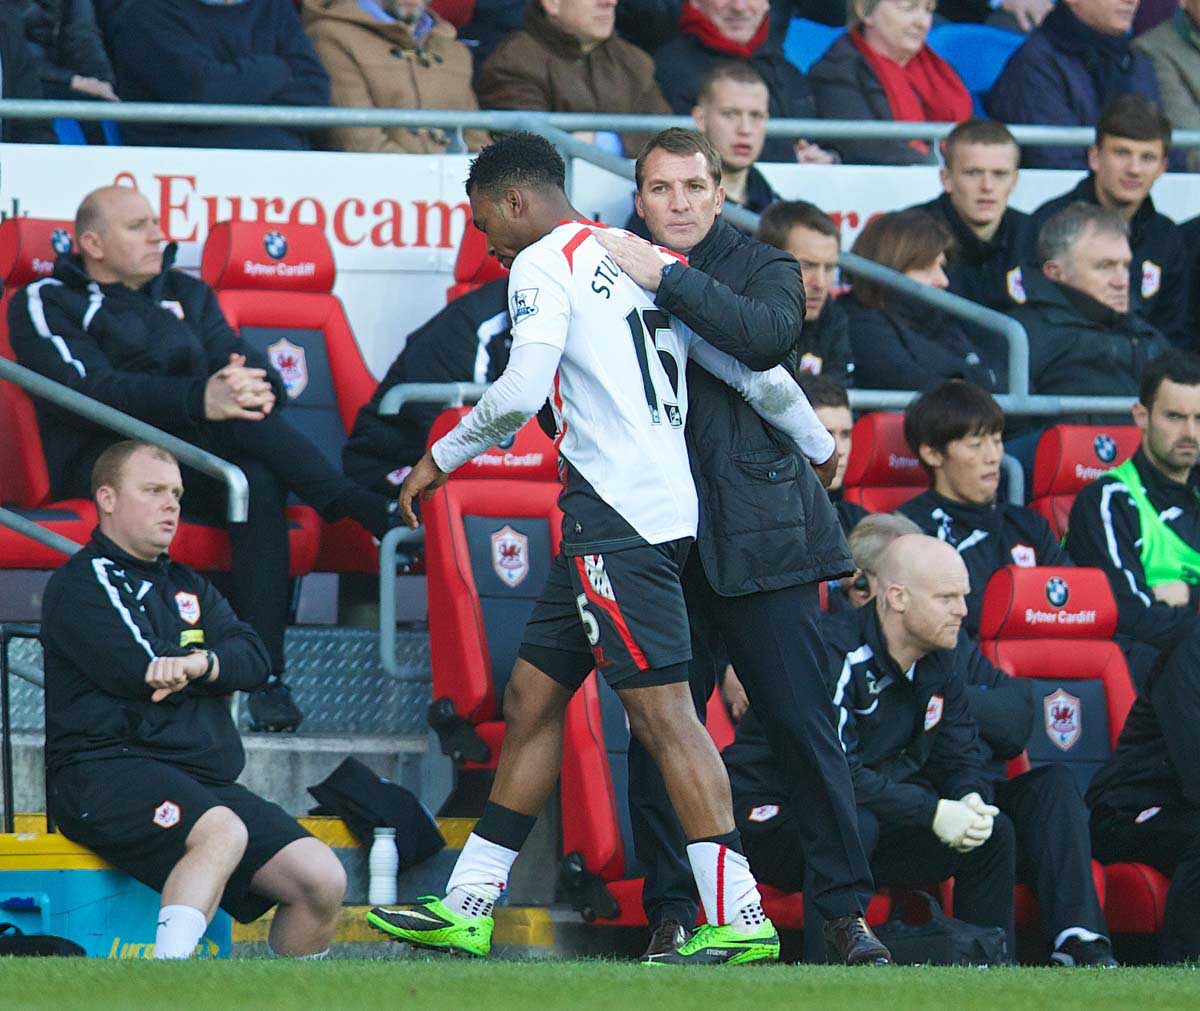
x=510, y=555
x=166, y=815
x=1063, y=719
x=764, y=812
x=189, y=606
x=1015, y=284
x=292, y=366
x=933, y=711
x=1151, y=278
x=1024, y=556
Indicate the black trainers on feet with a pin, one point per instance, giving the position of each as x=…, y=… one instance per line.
x=668, y=936
x=272, y=709
x=855, y=943
x=1079, y=954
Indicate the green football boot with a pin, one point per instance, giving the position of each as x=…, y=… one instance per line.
x=711, y=945
x=428, y=923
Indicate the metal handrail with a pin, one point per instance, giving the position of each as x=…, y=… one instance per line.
x=446, y=394
x=109, y=417
x=36, y=532
x=197, y=114
x=388, y=548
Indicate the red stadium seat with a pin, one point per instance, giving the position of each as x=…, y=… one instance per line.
x=474, y=267
x=1070, y=456
x=1055, y=626
x=882, y=472
x=274, y=283
x=490, y=534
x=28, y=247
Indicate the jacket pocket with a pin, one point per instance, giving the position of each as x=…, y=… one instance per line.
x=761, y=492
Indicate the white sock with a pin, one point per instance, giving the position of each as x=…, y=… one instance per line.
x=179, y=931
x=479, y=877
x=725, y=884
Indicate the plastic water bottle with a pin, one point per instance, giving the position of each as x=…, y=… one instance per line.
x=384, y=867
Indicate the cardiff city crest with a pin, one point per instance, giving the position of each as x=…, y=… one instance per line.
x=510, y=555
x=1063, y=719
x=290, y=363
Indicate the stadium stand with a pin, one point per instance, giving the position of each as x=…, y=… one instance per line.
x=806, y=41
x=882, y=472
x=977, y=53
x=1071, y=456
x=1055, y=626
x=490, y=533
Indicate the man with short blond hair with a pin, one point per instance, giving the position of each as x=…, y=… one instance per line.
x=142, y=756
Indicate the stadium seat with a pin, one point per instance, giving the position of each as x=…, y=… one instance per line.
x=490, y=534
x=977, y=53
x=595, y=812
x=274, y=283
x=806, y=41
x=1055, y=626
x=882, y=472
x=473, y=267
x=1070, y=456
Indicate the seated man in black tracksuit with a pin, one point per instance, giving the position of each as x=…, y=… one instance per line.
x=1140, y=523
x=955, y=432
x=992, y=241
x=1127, y=159
x=466, y=342
x=832, y=406
x=920, y=782
x=1146, y=801
x=117, y=324
x=814, y=239
x=141, y=656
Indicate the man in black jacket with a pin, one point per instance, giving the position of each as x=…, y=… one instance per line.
x=1146, y=801
x=141, y=655
x=991, y=239
x=117, y=324
x=466, y=342
x=1140, y=523
x=955, y=432
x=19, y=79
x=924, y=795
x=1128, y=158
x=768, y=535
x=814, y=239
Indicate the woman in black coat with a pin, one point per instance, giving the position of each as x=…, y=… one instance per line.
x=900, y=344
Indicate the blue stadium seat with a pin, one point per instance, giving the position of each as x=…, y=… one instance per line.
x=977, y=53
x=806, y=41
x=70, y=132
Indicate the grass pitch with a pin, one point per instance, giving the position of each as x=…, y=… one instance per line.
x=449, y=985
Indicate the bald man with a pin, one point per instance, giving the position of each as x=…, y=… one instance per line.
x=920, y=782
x=116, y=323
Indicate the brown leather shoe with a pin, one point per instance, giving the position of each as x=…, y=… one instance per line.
x=855, y=942
x=668, y=936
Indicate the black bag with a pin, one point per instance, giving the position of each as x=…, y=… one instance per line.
x=941, y=939
x=366, y=801
x=14, y=941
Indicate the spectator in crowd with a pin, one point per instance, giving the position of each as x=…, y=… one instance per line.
x=1022, y=15
x=955, y=432
x=731, y=111
x=118, y=324
x=568, y=59
x=649, y=23
x=1140, y=523
x=882, y=69
x=923, y=792
x=1174, y=47
x=900, y=344
x=68, y=50
x=395, y=55
x=1146, y=801
x=1051, y=821
x=141, y=656
x=832, y=407
x=466, y=342
x=1129, y=156
x=1067, y=71
x=241, y=52
x=491, y=22
x=814, y=239
x=991, y=239
x=1083, y=337
x=712, y=30
x=19, y=79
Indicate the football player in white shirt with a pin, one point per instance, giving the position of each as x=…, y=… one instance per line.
x=614, y=366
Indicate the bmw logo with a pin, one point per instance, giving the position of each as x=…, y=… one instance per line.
x=60, y=240
x=275, y=245
x=1106, y=447
x=1057, y=591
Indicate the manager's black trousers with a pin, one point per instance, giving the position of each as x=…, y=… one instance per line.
x=277, y=459
x=771, y=638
